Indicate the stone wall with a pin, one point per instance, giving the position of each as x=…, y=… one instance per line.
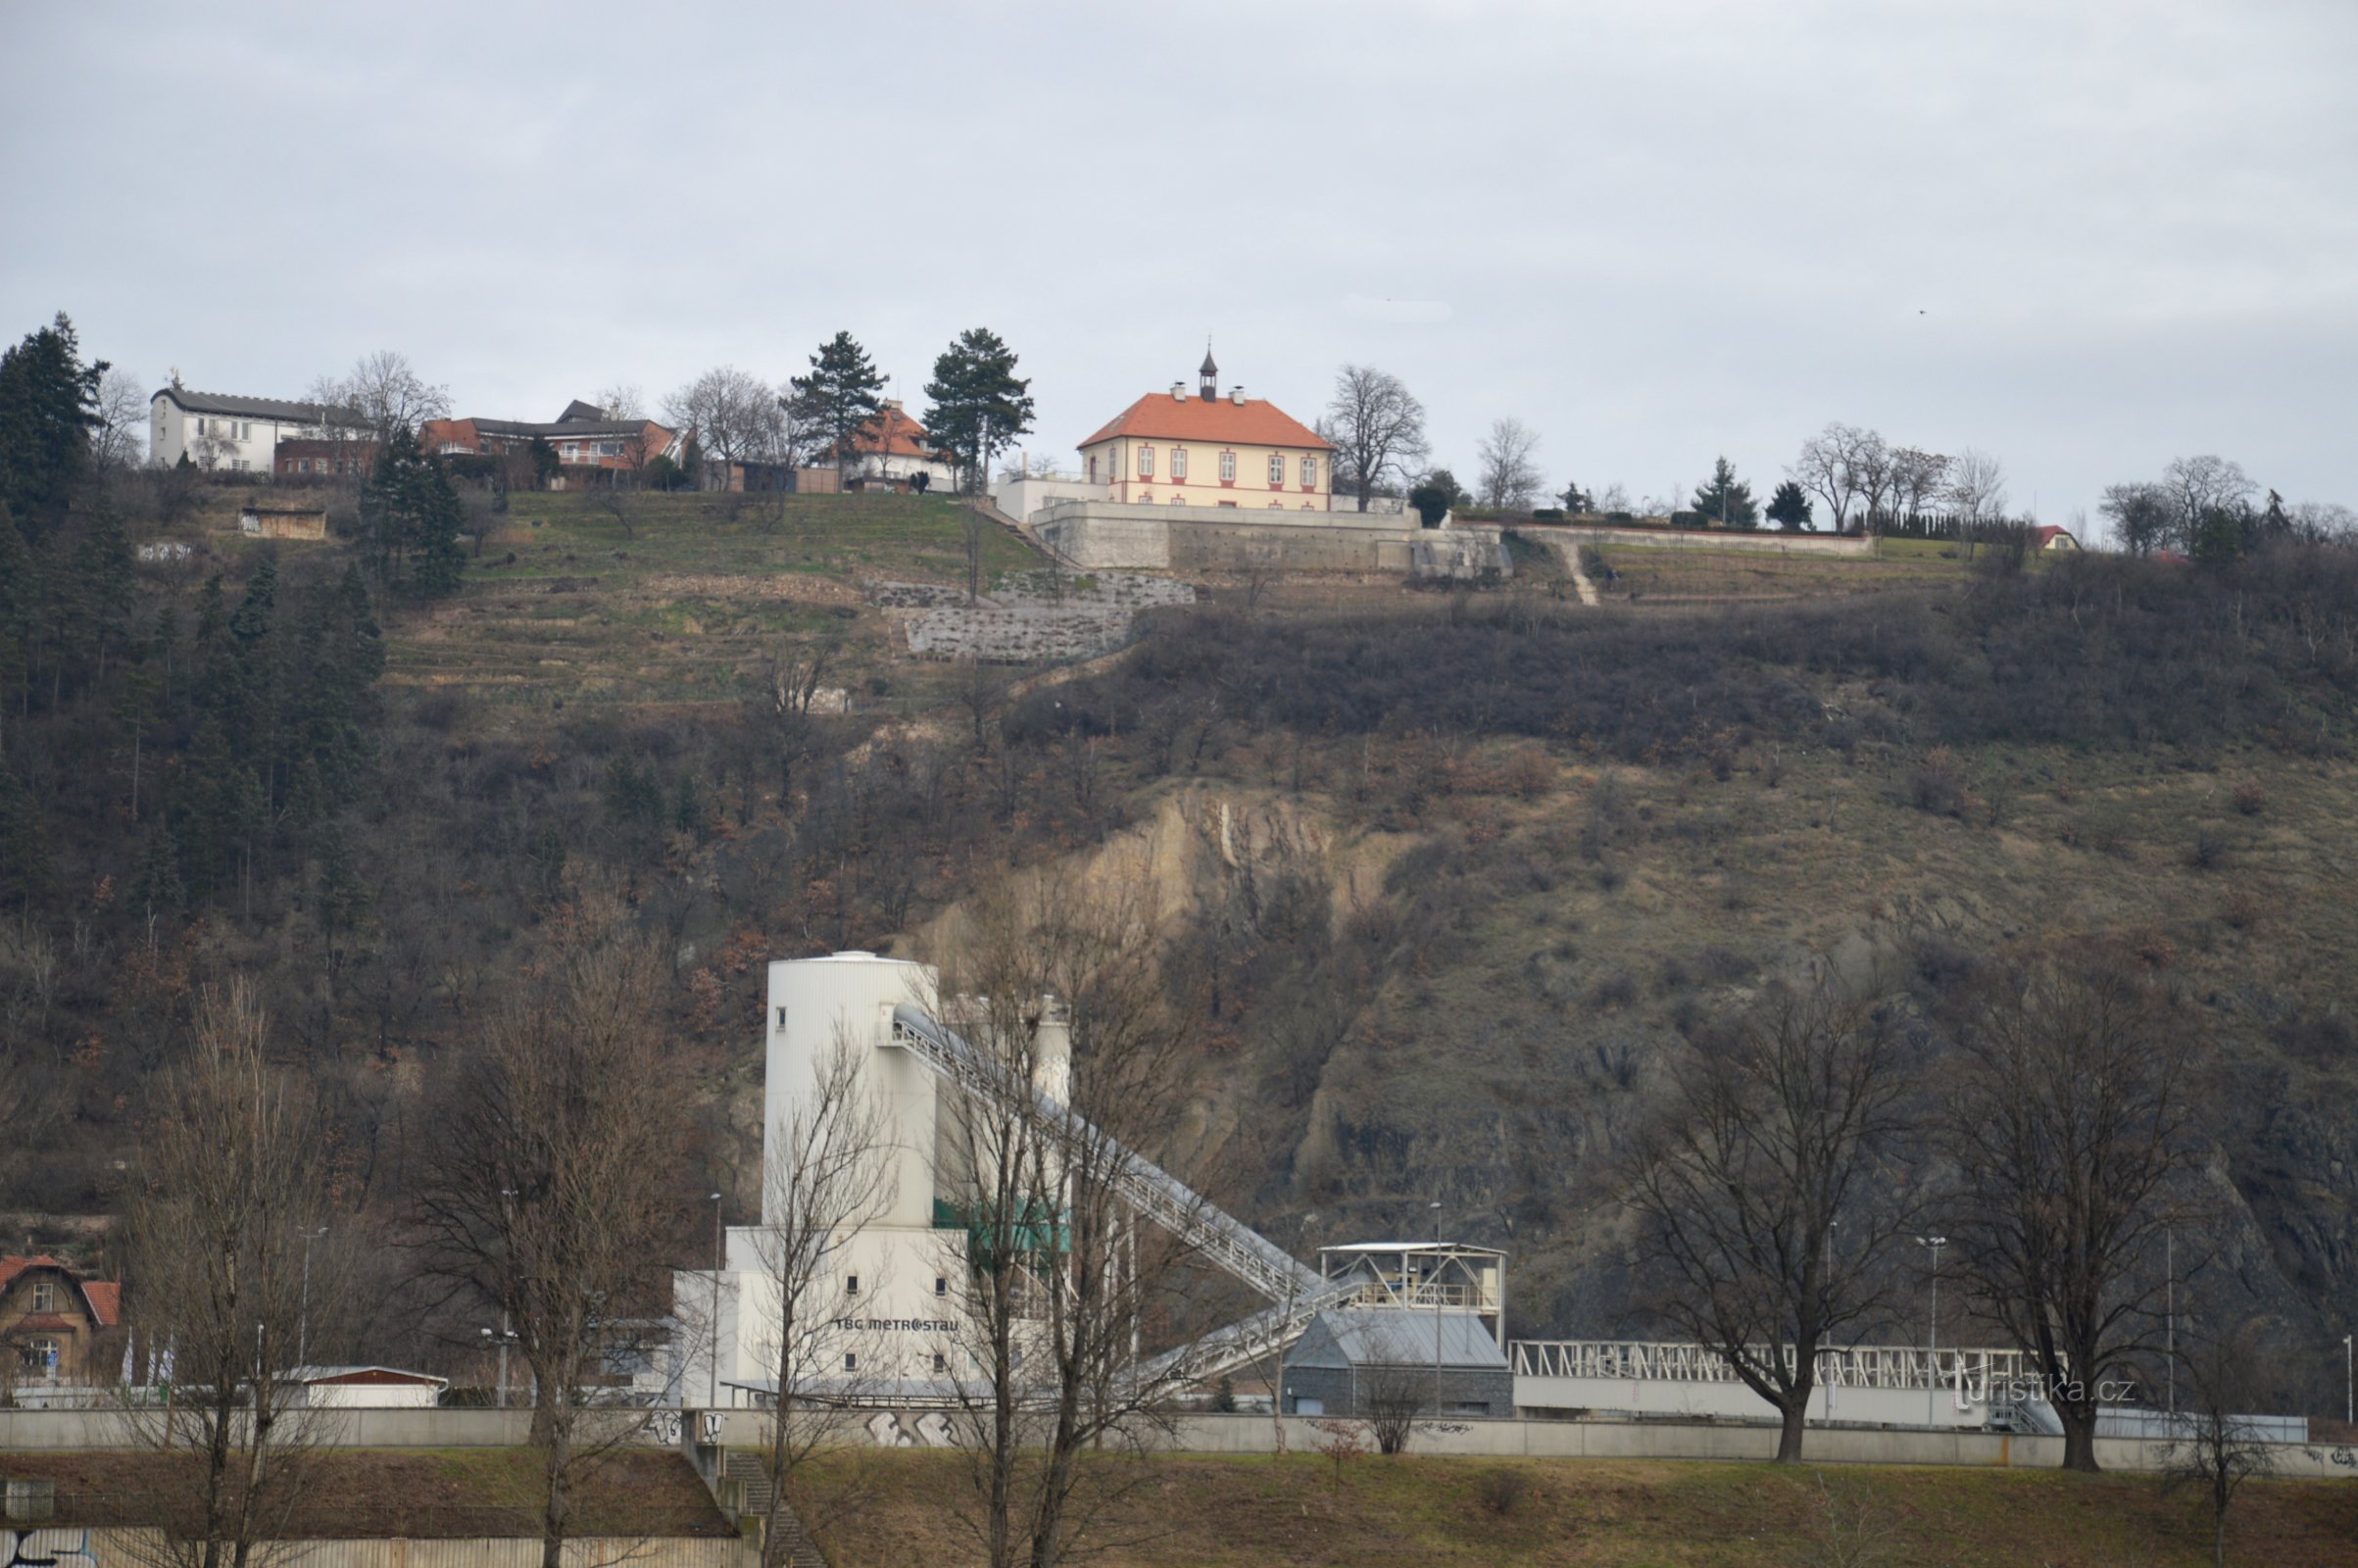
x=1763, y=543
x=1094, y=536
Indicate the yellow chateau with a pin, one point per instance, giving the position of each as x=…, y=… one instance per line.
x=1210, y=451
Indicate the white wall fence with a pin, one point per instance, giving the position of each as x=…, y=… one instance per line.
x=105, y=1546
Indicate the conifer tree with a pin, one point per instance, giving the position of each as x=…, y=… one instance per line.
x=1788, y=508
x=411, y=519
x=25, y=876
x=980, y=405
x=1727, y=500
x=839, y=395
x=48, y=405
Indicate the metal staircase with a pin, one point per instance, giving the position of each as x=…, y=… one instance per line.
x=1218, y=1237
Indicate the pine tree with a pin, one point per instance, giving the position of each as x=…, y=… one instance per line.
x=17, y=600
x=980, y=405
x=1788, y=508
x=159, y=889
x=25, y=875
x=839, y=395
x=1727, y=500
x=48, y=406
x=411, y=519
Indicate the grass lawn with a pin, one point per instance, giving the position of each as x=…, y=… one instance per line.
x=1302, y=1509
x=420, y=1493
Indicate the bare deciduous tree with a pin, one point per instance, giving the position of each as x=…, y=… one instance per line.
x=1393, y=1387
x=2201, y=485
x=1509, y=476
x=2068, y=1126
x=733, y=413
x=1767, y=1189
x=1377, y=429
x=545, y=1203
x=1063, y=1278
x=1833, y=466
x=390, y=397
x=1917, y=479
x=233, y=1178
x=827, y=1173
x=1977, y=488
x=622, y=401
x=2216, y=1448
x=118, y=437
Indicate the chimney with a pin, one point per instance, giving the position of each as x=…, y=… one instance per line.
x=1236, y=395
x=1178, y=391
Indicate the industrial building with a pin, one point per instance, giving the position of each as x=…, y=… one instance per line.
x=1421, y=1320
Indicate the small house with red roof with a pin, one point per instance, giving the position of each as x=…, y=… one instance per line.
x=1209, y=450
x=2050, y=537
x=52, y=1319
x=892, y=452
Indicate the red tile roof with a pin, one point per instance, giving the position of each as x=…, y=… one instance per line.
x=894, y=434
x=1218, y=421
x=104, y=1296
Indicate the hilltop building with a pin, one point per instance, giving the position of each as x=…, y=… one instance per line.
x=892, y=452
x=230, y=432
x=1210, y=451
x=586, y=440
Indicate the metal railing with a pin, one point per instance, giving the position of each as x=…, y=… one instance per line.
x=1972, y=1372
x=1218, y=1237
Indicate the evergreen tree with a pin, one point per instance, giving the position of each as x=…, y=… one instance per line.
x=980, y=405
x=48, y=407
x=17, y=612
x=411, y=519
x=159, y=889
x=1727, y=500
x=25, y=876
x=104, y=584
x=1788, y=508
x=839, y=395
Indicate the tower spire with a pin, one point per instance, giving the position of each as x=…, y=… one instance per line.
x=1209, y=372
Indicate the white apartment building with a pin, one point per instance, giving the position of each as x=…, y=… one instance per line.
x=222, y=432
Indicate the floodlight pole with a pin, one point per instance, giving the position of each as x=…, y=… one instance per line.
x=713, y=1397
x=1432, y=1284
x=1931, y=1370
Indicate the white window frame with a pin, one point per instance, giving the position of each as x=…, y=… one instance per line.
x=1309, y=473
x=1228, y=467
x=1178, y=464
x=1146, y=463
x=45, y=1295
x=1277, y=470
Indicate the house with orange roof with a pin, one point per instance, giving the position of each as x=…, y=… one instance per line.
x=52, y=1320
x=1209, y=450
x=892, y=452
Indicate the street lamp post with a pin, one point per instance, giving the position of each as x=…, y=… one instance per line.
x=503, y=1338
x=712, y=1393
x=303, y=1319
x=1432, y=1284
x=1826, y=1285
x=1932, y=1371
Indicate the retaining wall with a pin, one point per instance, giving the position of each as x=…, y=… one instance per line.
x=105, y=1546
x=1850, y=546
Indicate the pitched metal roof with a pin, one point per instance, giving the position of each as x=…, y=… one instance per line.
x=255, y=408
x=1365, y=1336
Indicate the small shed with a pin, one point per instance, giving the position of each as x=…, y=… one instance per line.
x=1352, y=1360
x=2050, y=537
x=371, y=1388
x=283, y=523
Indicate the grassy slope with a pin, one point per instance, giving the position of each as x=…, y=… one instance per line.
x=1300, y=1510
x=686, y=604
x=421, y=1493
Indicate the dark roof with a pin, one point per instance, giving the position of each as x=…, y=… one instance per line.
x=578, y=409
x=1363, y=1336
x=574, y=428
x=255, y=408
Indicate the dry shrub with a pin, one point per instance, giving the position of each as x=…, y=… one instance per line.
x=1938, y=785
x=1529, y=774
x=2251, y=796
x=1503, y=1491
x=2242, y=908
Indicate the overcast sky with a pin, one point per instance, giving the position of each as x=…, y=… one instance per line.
x=2085, y=235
